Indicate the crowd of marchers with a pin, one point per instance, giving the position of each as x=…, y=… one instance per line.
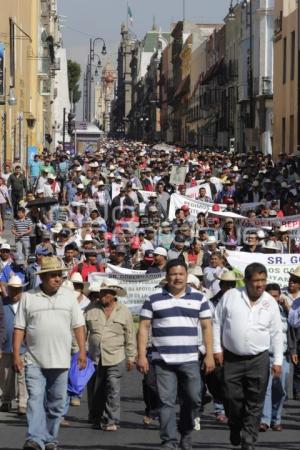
x=207, y=330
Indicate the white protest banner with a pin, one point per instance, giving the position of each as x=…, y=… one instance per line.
x=138, y=287
x=290, y=222
x=115, y=189
x=124, y=271
x=278, y=265
x=193, y=192
x=245, y=207
x=196, y=206
x=146, y=195
x=178, y=174
x=231, y=214
x=217, y=182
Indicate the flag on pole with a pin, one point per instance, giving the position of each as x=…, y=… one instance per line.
x=129, y=14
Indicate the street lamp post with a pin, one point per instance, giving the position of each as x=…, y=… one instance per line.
x=249, y=13
x=91, y=58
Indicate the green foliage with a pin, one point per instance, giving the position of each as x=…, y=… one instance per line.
x=74, y=72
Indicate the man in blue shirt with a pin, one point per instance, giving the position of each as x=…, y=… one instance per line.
x=173, y=314
x=35, y=170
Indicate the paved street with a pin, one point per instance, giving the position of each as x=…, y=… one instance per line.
x=133, y=434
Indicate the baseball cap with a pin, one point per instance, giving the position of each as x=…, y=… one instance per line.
x=179, y=239
x=5, y=247
x=185, y=208
x=161, y=251
x=149, y=255
x=121, y=249
x=42, y=251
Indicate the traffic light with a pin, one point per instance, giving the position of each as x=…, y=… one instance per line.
x=71, y=123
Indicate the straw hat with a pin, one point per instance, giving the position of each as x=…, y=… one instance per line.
x=57, y=228
x=76, y=278
x=95, y=286
x=271, y=245
x=70, y=225
x=51, y=264
x=192, y=279
x=296, y=272
x=15, y=282
x=196, y=270
x=229, y=275
x=113, y=285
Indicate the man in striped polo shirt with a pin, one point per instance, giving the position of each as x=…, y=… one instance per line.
x=21, y=229
x=173, y=314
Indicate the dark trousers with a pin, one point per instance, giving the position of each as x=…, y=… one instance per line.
x=105, y=401
x=296, y=379
x=245, y=385
x=150, y=394
x=16, y=197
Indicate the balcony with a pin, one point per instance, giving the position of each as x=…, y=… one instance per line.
x=267, y=87
x=43, y=67
x=45, y=88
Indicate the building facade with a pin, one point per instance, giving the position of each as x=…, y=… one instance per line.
x=285, y=76
x=29, y=66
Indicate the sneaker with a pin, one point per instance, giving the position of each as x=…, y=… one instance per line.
x=221, y=418
x=29, y=445
x=235, y=437
x=75, y=401
x=186, y=443
x=197, y=424
x=263, y=427
x=64, y=422
x=51, y=447
x=5, y=407
x=169, y=445
x=147, y=420
x=21, y=411
x=109, y=427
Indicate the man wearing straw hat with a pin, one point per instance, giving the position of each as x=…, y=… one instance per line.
x=47, y=315
x=111, y=341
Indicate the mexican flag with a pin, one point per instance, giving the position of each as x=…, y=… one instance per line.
x=130, y=16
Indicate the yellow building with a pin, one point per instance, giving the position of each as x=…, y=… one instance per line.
x=21, y=88
x=285, y=77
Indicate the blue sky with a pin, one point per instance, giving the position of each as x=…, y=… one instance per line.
x=93, y=18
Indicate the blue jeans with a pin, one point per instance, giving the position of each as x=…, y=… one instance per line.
x=273, y=408
x=218, y=408
x=184, y=379
x=47, y=391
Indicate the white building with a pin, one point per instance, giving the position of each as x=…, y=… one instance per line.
x=61, y=98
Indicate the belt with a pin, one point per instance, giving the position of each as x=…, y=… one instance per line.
x=244, y=357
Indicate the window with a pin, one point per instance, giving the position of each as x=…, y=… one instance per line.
x=283, y=135
x=293, y=50
x=292, y=128
x=284, y=61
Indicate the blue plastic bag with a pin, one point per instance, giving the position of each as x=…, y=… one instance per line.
x=79, y=378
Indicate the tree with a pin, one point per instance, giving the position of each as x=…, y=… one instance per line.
x=74, y=72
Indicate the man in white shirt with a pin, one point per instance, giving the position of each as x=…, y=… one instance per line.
x=47, y=315
x=246, y=324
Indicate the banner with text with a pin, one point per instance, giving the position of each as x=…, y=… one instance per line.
x=278, y=265
x=138, y=286
x=196, y=206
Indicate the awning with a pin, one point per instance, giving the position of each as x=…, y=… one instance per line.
x=184, y=87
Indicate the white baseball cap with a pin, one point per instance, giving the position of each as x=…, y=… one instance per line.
x=161, y=251
x=5, y=247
